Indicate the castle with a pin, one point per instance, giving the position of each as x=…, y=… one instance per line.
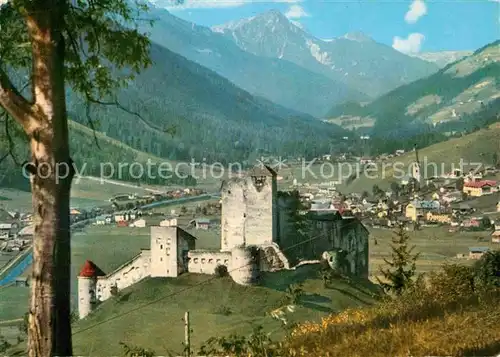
x=257, y=234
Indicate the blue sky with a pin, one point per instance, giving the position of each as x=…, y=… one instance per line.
x=410, y=26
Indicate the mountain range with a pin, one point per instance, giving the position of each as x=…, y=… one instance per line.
x=214, y=119
x=230, y=99
x=354, y=59
x=443, y=58
x=271, y=57
x=455, y=92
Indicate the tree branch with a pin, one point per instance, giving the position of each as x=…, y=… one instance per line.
x=13, y=101
x=10, y=151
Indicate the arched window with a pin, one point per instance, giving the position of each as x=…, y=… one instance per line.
x=195, y=260
x=210, y=261
x=203, y=261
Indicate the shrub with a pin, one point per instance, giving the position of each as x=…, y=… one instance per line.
x=114, y=290
x=223, y=310
x=134, y=351
x=221, y=271
x=487, y=270
x=293, y=293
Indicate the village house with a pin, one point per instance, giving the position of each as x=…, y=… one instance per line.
x=74, y=212
x=496, y=224
x=438, y=218
x=102, y=220
x=202, y=223
x=140, y=223
x=122, y=216
x=451, y=197
x=477, y=252
x=366, y=160
x=462, y=209
x=322, y=205
x=471, y=223
x=418, y=209
x=26, y=232
x=480, y=188
x=495, y=237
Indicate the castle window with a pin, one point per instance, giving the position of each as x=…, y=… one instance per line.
x=161, y=246
x=203, y=261
x=218, y=261
x=161, y=259
x=210, y=261
x=226, y=261
x=168, y=241
x=196, y=260
x=229, y=192
x=244, y=215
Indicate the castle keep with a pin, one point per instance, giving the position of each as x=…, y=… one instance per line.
x=257, y=234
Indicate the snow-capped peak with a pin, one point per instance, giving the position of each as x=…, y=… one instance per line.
x=357, y=36
x=232, y=25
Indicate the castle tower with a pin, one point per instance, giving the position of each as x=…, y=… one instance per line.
x=249, y=210
x=87, y=284
x=164, y=252
x=169, y=251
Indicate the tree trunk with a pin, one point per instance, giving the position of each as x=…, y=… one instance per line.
x=51, y=175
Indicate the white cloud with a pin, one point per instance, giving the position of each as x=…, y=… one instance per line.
x=205, y=4
x=416, y=11
x=296, y=12
x=411, y=44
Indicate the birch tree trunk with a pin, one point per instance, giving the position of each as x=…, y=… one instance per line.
x=51, y=169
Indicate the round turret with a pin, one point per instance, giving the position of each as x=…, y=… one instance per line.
x=87, y=283
x=244, y=267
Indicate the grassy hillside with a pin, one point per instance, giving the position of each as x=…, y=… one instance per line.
x=457, y=90
x=218, y=307
x=443, y=318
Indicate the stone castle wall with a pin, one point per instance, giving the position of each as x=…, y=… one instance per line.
x=205, y=261
x=126, y=275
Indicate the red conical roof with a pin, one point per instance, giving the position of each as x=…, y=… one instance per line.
x=90, y=270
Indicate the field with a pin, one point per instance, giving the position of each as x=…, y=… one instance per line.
x=436, y=246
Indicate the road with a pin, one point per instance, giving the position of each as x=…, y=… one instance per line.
x=117, y=183
x=205, y=196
